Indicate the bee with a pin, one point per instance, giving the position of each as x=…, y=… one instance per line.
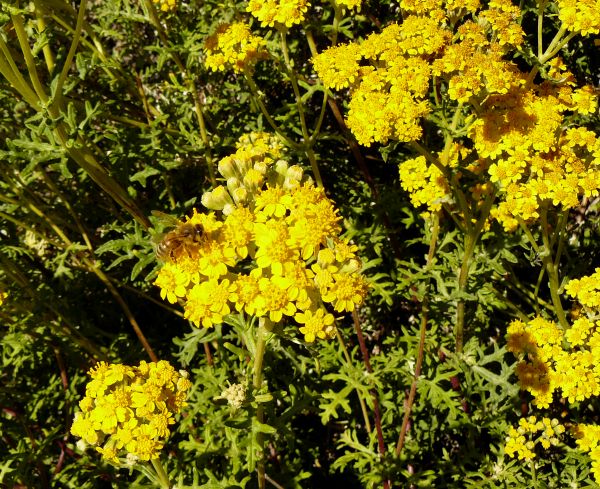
x=184, y=238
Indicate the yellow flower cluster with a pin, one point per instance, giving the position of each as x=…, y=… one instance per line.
x=3, y=296
x=586, y=290
x=581, y=16
x=233, y=46
x=522, y=440
x=553, y=359
x=438, y=8
x=128, y=410
x=272, y=251
x=166, y=5
x=278, y=12
x=389, y=73
x=588, y=440
x=533, y=159
x=425, y=182
x=518, y=129
x=546, y=366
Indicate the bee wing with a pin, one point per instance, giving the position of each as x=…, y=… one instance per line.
x=157, y=238
x=166, y=219
x=163, y=224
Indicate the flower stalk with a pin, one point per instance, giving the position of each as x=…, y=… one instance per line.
x=163, y=478
x=257, y=370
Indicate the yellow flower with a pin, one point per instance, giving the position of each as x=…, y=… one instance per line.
x=172, y=281
x=276, y=298
x=215, y=257
x=338, y=66
x=233, y=46
x=282, y=12
x=581, y=16
x=144, y=445
x=317, y=325
x=166, y=5
x=246, y=292
x=208, y=302
x=238, y=230
x=132, y=409
x=346, y=291
x=272, y=246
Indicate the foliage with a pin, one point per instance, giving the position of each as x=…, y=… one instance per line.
x=454, y=143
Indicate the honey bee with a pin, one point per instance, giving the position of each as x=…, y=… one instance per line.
x=184, y=238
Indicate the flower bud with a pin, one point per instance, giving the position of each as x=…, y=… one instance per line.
x=351, y=266
x=228, y=209
x=293, y=177
x=243, y=165
x=261, y=167
x=232, y=184
x=281, y=167
x=227, y=167
x=240, y=195
x=216, y=199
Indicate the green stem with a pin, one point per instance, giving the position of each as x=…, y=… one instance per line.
x=552, y=270
x=536, y=291
x=305, y=135
x=555, y=46
x=41, y=22
x=471, y=237
x=163, y=478
x=337, y=17
x=534, y=478
x=17, y=20
x=530, y=237
x=540, y=24
x=9, y=70
x=259, y=353
x=71, y=54
x=560, y=235
x=463, y=276
x=191, y=87
x=255, y=92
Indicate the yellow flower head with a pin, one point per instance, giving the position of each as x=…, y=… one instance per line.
x=276, y=254
x=278, y=12
x=233, y=46
x=523, y=440
x=127, y=410
x=580, y=16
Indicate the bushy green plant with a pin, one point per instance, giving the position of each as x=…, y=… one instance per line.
x=363, y=198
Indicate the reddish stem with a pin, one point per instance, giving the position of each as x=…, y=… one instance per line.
x=376, y=410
